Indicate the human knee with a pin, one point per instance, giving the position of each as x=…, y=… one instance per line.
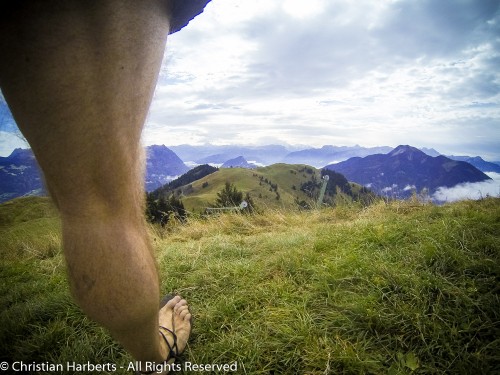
x=99, y=199
x=111, y=187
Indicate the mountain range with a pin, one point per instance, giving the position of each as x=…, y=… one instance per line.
x=319, y=157
x=214, y=154
x=405, y=170
x=478, y=162
x=20, y=175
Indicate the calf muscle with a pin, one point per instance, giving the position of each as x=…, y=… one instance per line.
x=79, y=76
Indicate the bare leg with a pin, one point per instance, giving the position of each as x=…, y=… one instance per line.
x=79, y=77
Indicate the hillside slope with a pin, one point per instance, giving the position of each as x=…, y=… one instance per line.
x=275, y=186
x=257, y=182
x=398, y=288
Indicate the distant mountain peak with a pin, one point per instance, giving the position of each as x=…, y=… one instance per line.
x=479, y=163
x=21, y=152
x=162, y=164
x=407, y=166
x=18, y=151
x=328, y=154
x=158, y=148
x=238, y=162
x=405, y=149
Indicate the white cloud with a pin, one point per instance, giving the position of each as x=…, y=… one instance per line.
x=318, y=72
x=10, y=141
x=473, y=191
x=301, y=9
x=338, y=72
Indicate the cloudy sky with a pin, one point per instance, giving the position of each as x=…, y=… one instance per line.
x=339, y=72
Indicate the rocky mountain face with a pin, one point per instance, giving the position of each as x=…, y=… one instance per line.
x=406, y=169
x=162, y=166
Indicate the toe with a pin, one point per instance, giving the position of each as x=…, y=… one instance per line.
x=185, y=314
x=173, y=302
x=179, y=304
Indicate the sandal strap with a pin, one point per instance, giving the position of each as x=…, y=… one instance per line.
x=174, y=349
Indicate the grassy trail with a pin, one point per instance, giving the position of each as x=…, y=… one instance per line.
x=398, y=288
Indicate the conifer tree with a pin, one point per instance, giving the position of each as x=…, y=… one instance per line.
x=229, y=196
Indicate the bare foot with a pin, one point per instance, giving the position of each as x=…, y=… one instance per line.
x=182, y=324
x=176, y=317
x=175, y=328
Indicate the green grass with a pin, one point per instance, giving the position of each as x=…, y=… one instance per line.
x=197, y=198
x=399, y=288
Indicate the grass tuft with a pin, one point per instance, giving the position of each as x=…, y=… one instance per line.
x=393, y=288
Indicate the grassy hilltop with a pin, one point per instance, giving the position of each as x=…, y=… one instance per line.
x=203, y=192
x=398, y=288
x=277, y=186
